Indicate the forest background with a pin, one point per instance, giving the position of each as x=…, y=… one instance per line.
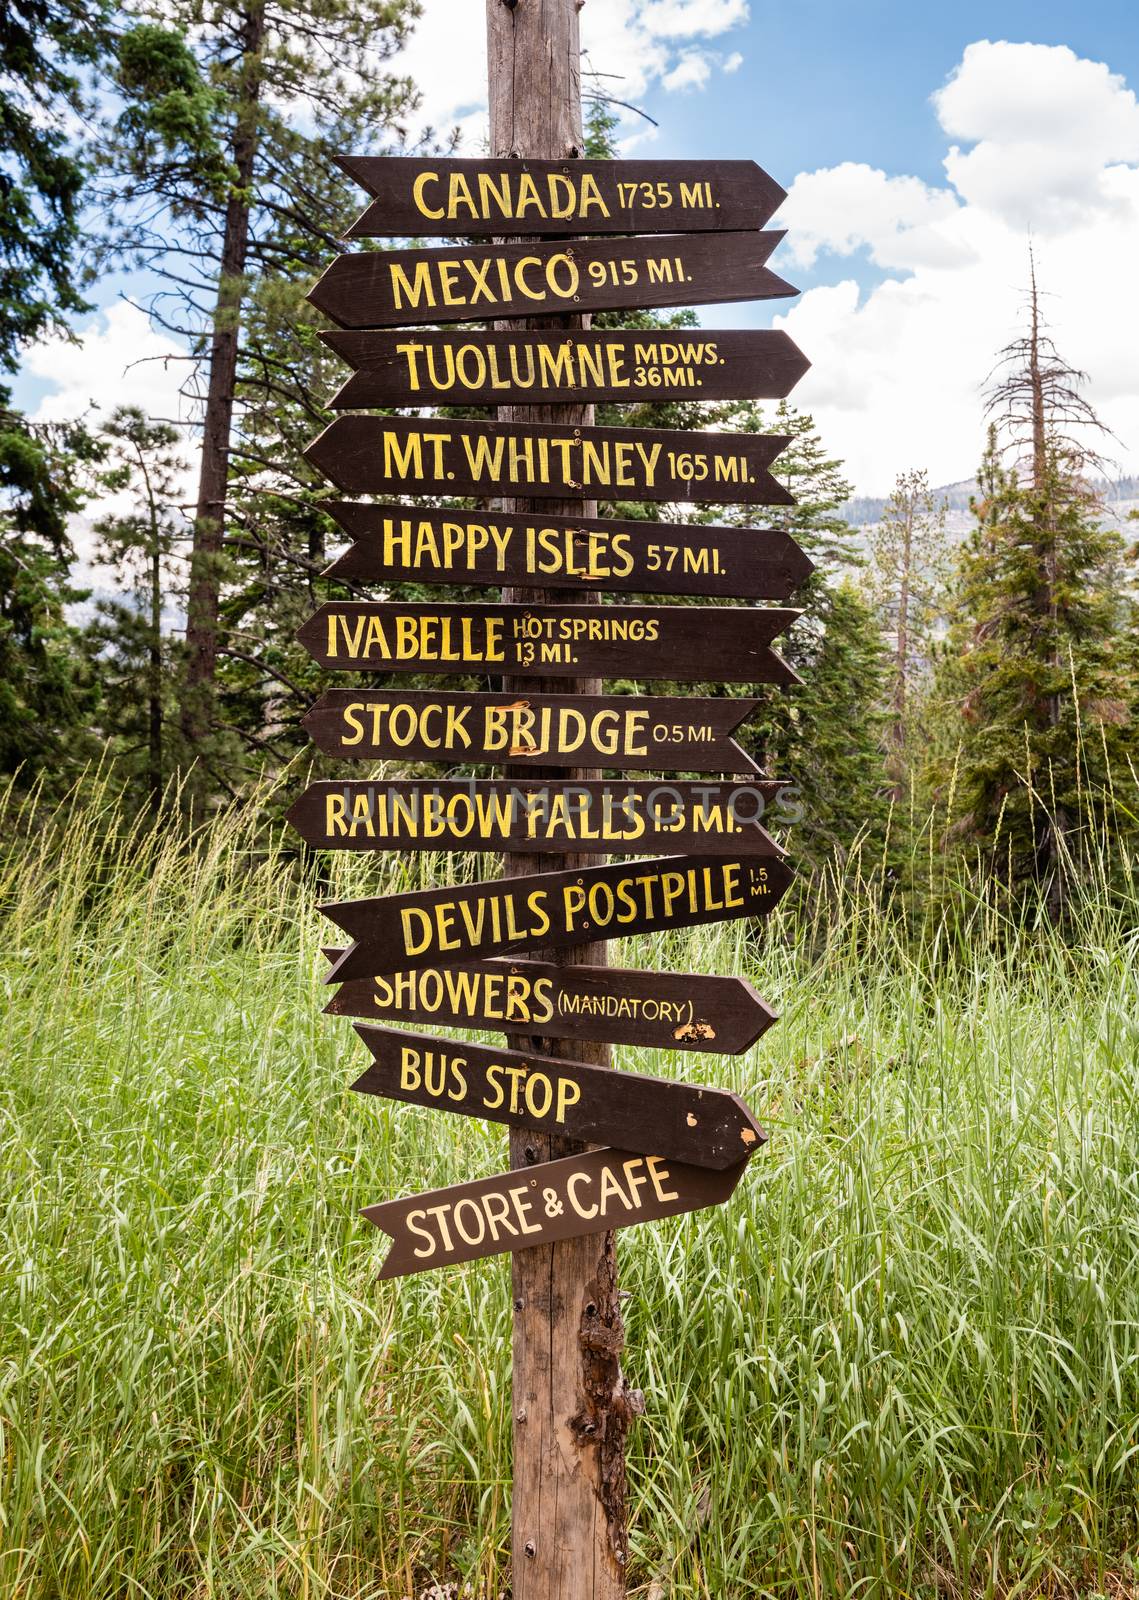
x=953, y=1079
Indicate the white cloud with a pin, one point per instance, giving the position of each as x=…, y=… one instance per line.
x=645, y=43
x=117, y=359
x=898, y=372
x=734, y=62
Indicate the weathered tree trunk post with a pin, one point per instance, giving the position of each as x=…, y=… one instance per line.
x=571, y=1407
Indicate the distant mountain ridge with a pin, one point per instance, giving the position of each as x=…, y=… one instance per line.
x=865, y=511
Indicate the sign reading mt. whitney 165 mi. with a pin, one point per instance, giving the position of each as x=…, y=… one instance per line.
x=473, y=367
x=473, y=283
x=590, y=1193
x=407, y=455
x=453, y=198
x=622, y=1005
x=408, y=545
x=709, y=1127
x=549, y=910
x=596, y=817
x=640, y=734
x=680, y=643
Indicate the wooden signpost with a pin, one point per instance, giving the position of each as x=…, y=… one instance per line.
x=398, y=544
x=406, y=455
x=658, y=1010
x=645, y=734
x=594, y=817
x=472, y=368
x=476, y=283
x=525, y=954
x=462, y=198
x=533, y=641
x=549, y=910
x=565, y=1199
x=683, y=1121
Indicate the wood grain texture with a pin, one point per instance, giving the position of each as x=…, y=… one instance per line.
x=624, y=1005
x=680, y=643
x=551, y=1094
x=535, y=816
x=401, y=455
x=549, y=910
x=403, y=544
x=474, y=283
x=475, y=367
x=631, y=733
x=463, y=197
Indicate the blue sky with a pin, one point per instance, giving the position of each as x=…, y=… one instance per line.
x=924, y=146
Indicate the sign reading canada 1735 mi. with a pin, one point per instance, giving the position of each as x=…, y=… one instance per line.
x=445, y=368
x=475, y=283
x=615, y=641
x=624, y=1005
x=457, y=197
x=407, y=544
x=641, y=734
x=549, y=910
x=406, y=455
x=591, y=1193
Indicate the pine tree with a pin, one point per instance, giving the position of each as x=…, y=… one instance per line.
x=226, y=190
x=133, y=650
x=905, y=581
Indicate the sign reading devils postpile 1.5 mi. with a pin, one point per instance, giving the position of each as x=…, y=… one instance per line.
x=710, y=1127
x=549, y=910
x=405, y=544
x=596, y=817
x=440, y=368
x=377, y=455
x=606, y=641
x=659, y=1010
x=476, y=283
x=559, y=1200
x=458, y=197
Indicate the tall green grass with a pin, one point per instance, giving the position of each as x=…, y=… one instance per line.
x=903, y=1360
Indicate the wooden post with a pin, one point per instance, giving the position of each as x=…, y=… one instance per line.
x=571, y=1406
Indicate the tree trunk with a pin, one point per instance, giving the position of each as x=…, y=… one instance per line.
x=197, y=711
x=571, y=1405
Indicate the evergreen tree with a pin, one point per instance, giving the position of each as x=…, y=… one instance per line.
x=905, y=580
x=223, y=176
x=133, y=651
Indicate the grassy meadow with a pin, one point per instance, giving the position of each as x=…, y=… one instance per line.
x=904, y=1360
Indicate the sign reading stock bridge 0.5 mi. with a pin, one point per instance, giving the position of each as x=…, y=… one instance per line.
x=464, y=956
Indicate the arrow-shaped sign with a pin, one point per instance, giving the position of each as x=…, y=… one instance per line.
x=549, y=910
x=681, y=643
x=595, y=817
x=635, y=734
x=456, y=197
x=590, y=1193
x=473, y=367
x=476, y=283
x=681, y=1121
x=409, y=455
x=623, y=1005
x=405, y=544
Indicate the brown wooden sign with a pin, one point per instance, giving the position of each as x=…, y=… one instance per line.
x=660, y=1010
x=590, y=1193
x=424, y=197
x=596, y=817
x=549, y=910
x=407, y=545
x=681, y=643
x=407, y=455
x=633, y=734
x=477, y=283
x=682, y=1121
x=473, y=367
